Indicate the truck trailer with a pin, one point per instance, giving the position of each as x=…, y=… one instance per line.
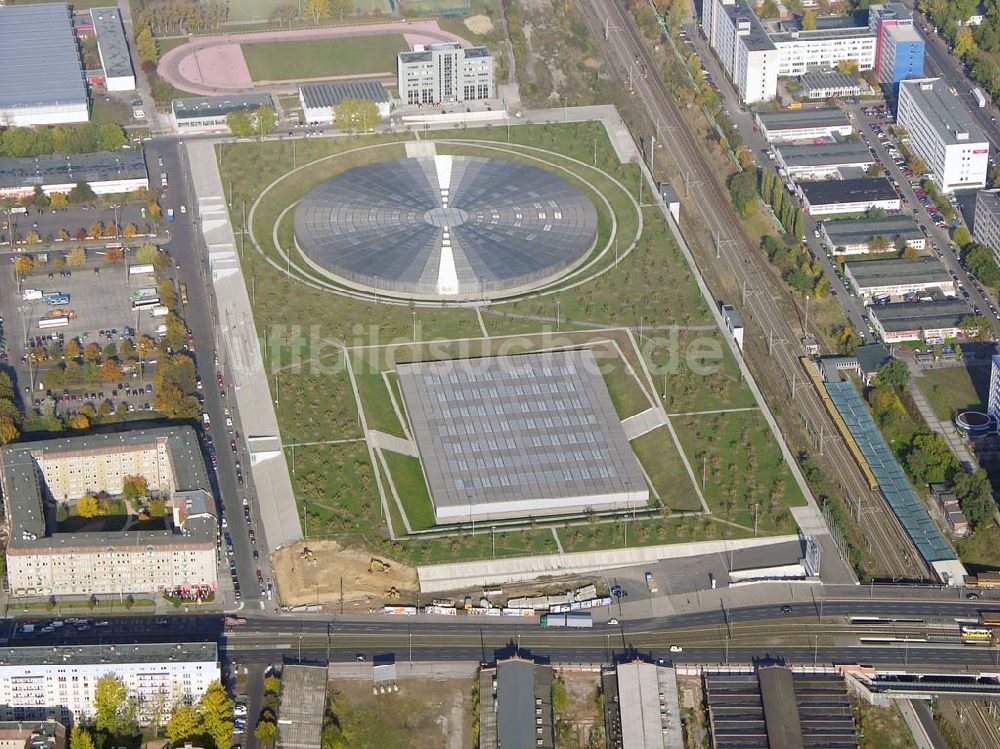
x=571, y=619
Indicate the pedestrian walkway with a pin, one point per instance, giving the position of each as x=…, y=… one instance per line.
x=643, y=422
x=945, y=429
x=383, y=441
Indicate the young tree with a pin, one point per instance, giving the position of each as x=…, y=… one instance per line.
x=147, y=254
x=39, y=199
x=92, y=352
x=87, y=507
x=743, y=192
x=79, y=422
x=77, y=257
x=110, y=371
x=79, y=738
x=134, y=487
x=894, y=374
x=272, y=684
x=114, y=710
x=316, y=9
x=81, y=193
x=24, y=264
x=146, y=46
x=961, y=236
x=356, y=115
x=8, y=429
x=128, y=231
x=240, y=124
x=266, y=733
x=265, y=121
x=216, y=712
x=183, y=724
x=111, y=137
x=114, y=255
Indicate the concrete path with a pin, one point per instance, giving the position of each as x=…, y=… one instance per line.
x=924, y=736
x=391, y=442
x=241, y=355
x=946, y=429
x=643, y=422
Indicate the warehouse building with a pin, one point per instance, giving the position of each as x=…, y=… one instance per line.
x=931, y=322
x=59, y=682
x=987, y=221
x=899, y=277
x=822, y=160
x=302, y=707
x=853, y=236
x=44, y=560
x=43, y=78
x=788, y=125
x=829, y=85
x=112, y=46
x=516, y=705
x=551, y=443
x=833, y=197
x=107, y=173
x=944, y=134
x=641, y=705
x=320, y=99
x=444, y=72
x=207, y=114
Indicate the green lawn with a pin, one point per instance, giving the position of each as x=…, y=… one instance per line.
x=375, y=401
x=257, y=11
x=743, y=467
x=111, y=112
x=981, y=550
x=953, y=389
x=408, y=478
x=294, y=60
x=659, y=456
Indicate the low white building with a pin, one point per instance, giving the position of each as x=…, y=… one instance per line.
x=944, y=134
x=931, y=322
x=59, y=682
x=829, y=85
x=832, y=197
x=112, y=46
x=898, y=277
x=107, y=173
x=207, y=114
x=319, y=100
x=808, y=123
x=853, y=236
x=822, y=160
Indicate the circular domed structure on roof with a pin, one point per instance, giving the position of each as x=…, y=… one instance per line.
x=445, y=227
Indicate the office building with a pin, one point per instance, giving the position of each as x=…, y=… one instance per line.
x=43, y=559
x=853, y=236
x=801, y=51
x=516, y=705
x=319, y=100
x=993, y=403
x=207, y=114
x=551, y=443
x=59, y=682
x=899, y=277
x=43, y=81
x=444, y=72
x=829, y=85
x=986, y=228
x=831, y=197
x=822, y=160
x=943, y=133
x=112, y=46
x=107, y=173
x=788, y=125
x=931, y=322
x=743, y=46
x=899, y=53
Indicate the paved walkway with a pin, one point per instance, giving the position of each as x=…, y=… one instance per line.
x=643, y=422
x=946, y=429
x=391, y=442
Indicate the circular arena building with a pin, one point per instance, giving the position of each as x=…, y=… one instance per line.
x=445, y=227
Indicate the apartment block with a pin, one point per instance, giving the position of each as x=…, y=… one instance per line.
x=986, y=227
x=59, y=683
x=445, y=72
x=943, y=134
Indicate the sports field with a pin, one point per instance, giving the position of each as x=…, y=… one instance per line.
x=257, y=11
x=295, y=60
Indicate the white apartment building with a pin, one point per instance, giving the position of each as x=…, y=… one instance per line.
x=59, y=682
x=987, y=224
x=744, y=48
x=806, y=51
x=943, y=134
x=444, y=72
x=44, y=560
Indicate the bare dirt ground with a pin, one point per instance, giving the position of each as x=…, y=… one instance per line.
x=439, y=711
x=479, y=24
x=304, y=582
x=581, y=715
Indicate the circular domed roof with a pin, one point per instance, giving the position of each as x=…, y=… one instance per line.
x=445, y=226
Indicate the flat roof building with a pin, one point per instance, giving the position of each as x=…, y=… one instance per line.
x=43, y=560
x=107, y=172
x=303, y=706
x=853, y=236
x=993, y=402
x=112, y=46
x=932, y=322
x=986, y=227
x=33, y=680
x=522, y=704
x=897, y=277
x=828, y=85
x=824, y=48
x=319, y=100
x=207, y=114
x=859, y=195
x=648, y=710
x=519, y=436
x=821, y=160
x=444, y=72
x=43, y=81
x=749, y=57
x=944, y=134
x=803, y=124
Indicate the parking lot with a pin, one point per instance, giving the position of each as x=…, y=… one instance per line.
x=99, y=310
x=47, y=222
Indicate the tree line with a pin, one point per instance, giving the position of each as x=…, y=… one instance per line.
x=977, y=46
x=20, y=142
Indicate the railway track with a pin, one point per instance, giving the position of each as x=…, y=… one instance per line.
x=774, y=348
